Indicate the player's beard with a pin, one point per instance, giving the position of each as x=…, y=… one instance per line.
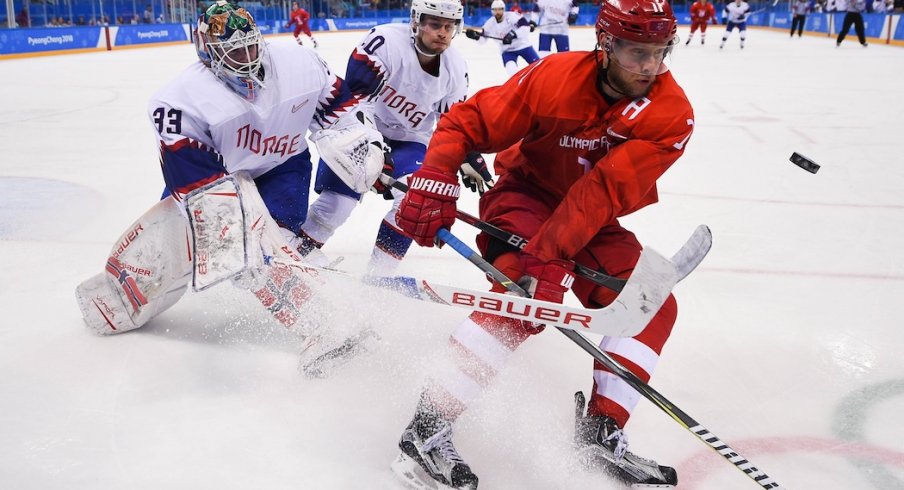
x=620, y=81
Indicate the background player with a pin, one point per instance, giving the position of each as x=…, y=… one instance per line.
x=702, y=13
x=420, y=75
x=553, y=18
x=300, y=17
x=237, y=170
x=512, y=31
x=568, y=171
x=736, y=15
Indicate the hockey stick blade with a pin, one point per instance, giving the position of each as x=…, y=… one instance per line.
x=644, y=293
x=694, y=250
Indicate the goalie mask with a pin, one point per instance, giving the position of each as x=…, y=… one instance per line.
x=444, y=9
x=229, y=42
x=637, y=34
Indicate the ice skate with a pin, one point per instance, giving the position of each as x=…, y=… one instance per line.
x=429, y=459
x=601, y=444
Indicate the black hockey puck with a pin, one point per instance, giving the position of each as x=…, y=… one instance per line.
x=804, y=162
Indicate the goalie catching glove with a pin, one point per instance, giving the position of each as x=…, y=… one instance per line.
x=474, y=173
x=428, y=205
x=354, y=149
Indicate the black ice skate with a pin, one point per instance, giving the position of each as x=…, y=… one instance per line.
x=601, y=444
x=429, y=459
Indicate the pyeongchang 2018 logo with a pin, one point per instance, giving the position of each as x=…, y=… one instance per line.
x=48, y=40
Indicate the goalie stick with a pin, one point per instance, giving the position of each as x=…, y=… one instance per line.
x=686, y=259
x=647, y=391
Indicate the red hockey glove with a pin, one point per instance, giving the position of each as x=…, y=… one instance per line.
x=428, y=205
x=547, y=281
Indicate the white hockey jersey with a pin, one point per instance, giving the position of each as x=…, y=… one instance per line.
x=511, y=21
x=551, y=16
x=410, y=100
x=204, y=129
x=737, y=12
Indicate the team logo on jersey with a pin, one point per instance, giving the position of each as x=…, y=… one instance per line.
x=393, y=100
x=248, y=138
x=299, y=106
x=585, y=144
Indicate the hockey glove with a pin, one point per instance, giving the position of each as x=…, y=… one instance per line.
x=472, y=34
x=533, y=25
x=508, y=38
x=572, y=19
x=474, y=173
x=428, y=205
x=546, y=281
x=380, y=186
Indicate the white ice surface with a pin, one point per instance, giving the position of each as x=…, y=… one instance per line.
x=785, y=347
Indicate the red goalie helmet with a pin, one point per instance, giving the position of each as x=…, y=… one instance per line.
x=641, y=21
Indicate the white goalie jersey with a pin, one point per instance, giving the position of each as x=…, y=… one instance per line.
x=204, y=130
x=408, y=101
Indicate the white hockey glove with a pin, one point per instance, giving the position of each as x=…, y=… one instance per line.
x=353, y=149
x=474, y=173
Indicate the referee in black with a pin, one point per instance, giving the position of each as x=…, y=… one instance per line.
x=853, y=16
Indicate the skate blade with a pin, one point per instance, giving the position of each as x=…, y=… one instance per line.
x=652, y=485
x=414, y=477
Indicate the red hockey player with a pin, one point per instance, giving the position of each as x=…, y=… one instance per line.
x=300, y=18
x=572, y=157
x=702, y=13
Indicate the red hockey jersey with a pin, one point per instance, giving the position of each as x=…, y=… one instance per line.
x=702, y=13
x=549, y=124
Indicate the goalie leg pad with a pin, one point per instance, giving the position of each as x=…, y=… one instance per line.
x=146, y=272
x=218, y=232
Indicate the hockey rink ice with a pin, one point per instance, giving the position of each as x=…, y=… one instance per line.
x=788, y=345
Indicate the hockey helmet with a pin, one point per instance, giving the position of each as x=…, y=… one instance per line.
x=229, y=42
x=445, y=9
x=641, y=21
x=497, y=4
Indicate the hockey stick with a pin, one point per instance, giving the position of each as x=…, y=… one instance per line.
x=646, y=290
x=483, y=35
x=643, y=294
x=686, y=259
x=685, y=420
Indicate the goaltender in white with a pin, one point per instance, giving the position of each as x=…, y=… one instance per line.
x=231, y=131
